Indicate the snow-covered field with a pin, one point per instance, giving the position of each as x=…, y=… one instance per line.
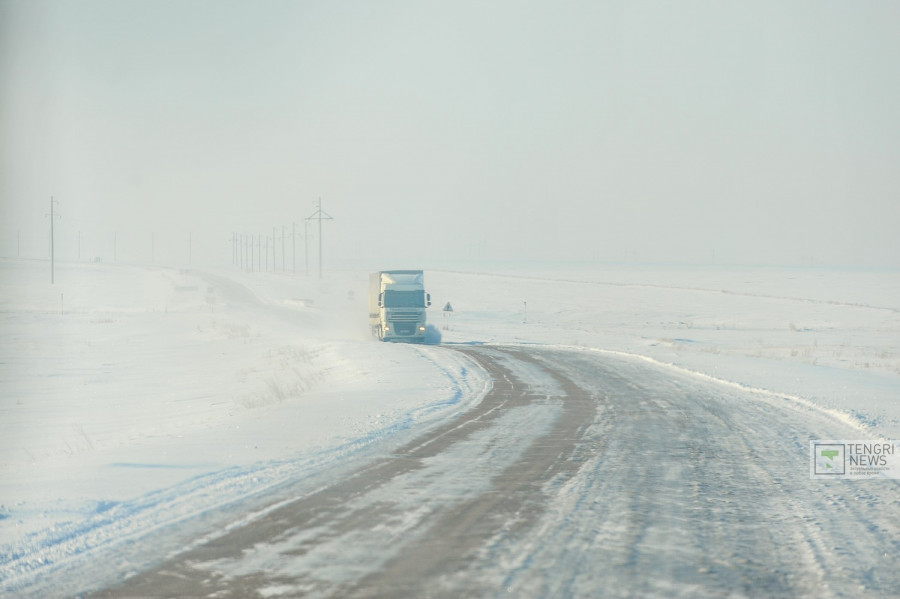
x=134, y=398
x=824, y=336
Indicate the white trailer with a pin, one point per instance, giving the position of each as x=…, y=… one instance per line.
x=397, y=302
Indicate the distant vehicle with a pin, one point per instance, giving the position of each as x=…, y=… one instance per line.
x=397, y=302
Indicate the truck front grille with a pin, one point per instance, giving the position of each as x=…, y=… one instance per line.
x=405, y=316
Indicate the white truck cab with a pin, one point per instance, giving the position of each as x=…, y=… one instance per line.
x=397, y=303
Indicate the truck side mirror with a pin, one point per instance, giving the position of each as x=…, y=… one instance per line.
x=427, y=300
x=381, y=300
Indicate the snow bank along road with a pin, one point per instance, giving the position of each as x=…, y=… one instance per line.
x=579, y=474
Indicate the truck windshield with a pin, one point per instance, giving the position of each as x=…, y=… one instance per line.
x=404, y=299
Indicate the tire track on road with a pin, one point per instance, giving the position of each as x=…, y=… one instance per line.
x=446, y=563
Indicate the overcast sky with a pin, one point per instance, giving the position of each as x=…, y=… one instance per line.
x=735, y=132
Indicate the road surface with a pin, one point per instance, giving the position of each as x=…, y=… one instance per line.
x=579, y=474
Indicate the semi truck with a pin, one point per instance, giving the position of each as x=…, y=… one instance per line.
x=397, y=302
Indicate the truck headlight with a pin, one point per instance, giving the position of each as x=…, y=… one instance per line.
x=422, y=328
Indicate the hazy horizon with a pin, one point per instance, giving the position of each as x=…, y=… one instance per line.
x=699, y=132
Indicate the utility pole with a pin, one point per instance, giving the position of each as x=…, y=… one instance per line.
x=306, y=244
x=52, y=253
x=320, y=215
x=52, y=249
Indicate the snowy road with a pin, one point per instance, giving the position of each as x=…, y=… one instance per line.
x=579, y=474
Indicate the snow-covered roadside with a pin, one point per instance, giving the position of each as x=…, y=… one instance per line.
x=135, y=397
x=824, y=336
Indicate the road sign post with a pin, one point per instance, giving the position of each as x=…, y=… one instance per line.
x=447, y=312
